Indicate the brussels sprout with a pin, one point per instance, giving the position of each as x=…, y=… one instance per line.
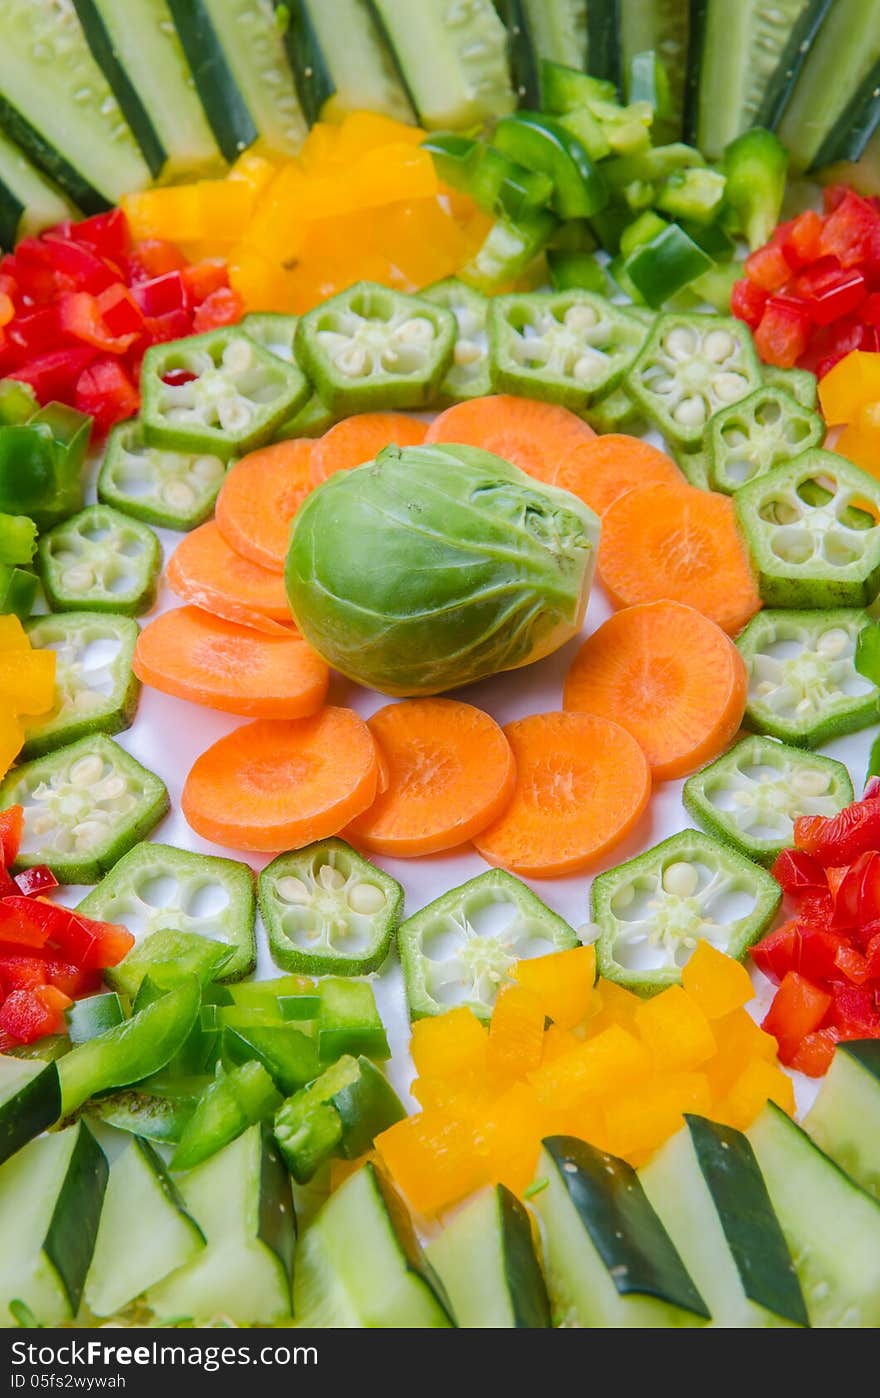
x=432, y=567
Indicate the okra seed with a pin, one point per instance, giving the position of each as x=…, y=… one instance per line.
x=679, y=343
x=178, y=495
x=292, y=890
x=833, y=642
x=366, y=898
x=585, y=369
x=237, y=356
x=466, y=352
x=417, y=331
x=234, y=414
x=729, y=387
x=680, y=879
x=352, y=361
x=86, y=771
x=809, y=781
x=79, y=577
x=207, y=468
x=87, y=833
x=690, y=412
x=580, y=317
x=330, y=878
x=718, y=345
x=624, y=896
x=110, y=787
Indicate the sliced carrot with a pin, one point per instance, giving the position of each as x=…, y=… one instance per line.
x=680, y=544
x=450, y=774
x=670, y=677
x=602, y=470
x=581, y=784
x=194, y=655
x=360, y=438
x=204, y=570
x=535, y=436
x=259, y=498
x=276, y=785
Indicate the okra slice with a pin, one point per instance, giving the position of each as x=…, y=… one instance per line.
x=96, y=690
x=694, y=466
x=653, y=910
x=328, y=911
x=752, y=796
x=760, y=432
x=567, y=347
x=220, y=392
x=274, y=330
x=459, y=950
x=803, y=683
x=616, y=411
x=100, y=561
x=689, y=368
x=85, y=805
x=813, y=531
x=371, y=348
x=154, y=887
x=173, y=489
x=468, y=375
x=800, y=383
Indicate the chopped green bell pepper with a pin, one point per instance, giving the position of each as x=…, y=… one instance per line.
x=18, y=402
x=340, y=1113
x=348, y=1021
x=41, y=465
x=18, y=535
x=289, y=1056
x=508, y=249
x=233, y=1102
x=164, y=956
x=542, y=143
x=756, y=166
x=497, y=184
x=18, y=591
x=695, y=193
x=92, y=1016
x=660, y=268
x=570, y=271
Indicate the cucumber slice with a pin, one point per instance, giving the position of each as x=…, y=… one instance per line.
x=485, y=1259
x=171, y=489
x=101, y=561
x=95, y=688
x=603, y=42
x=145, y=1231
x=848, y=139
x=360, y=1264
x=241, y=1201
x=832, y=1227
x=845, y=1118
x=77, y=136
x=608, y=1260
x=155, y=886
x=752, y=796
x=339, y=61
x=539, y=29
x=803, y=683
x=30, y=1100
x=29, y=202
x=452, y=58
x=51, y=1194
x=661, y=27
x=710, y=1196
x=469, y=375
x=84, y=807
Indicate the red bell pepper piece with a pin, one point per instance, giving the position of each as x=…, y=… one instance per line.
x=202, y=278
x=818, y=958
x=105, y=391
x=798, y=1008
x=111, y=943
x=36, y=331
x=161, y=295
x=57, y=1002
x=8, y=884
x=22, y=922
x=153, y=257
x=848, y=230
x=107, y=234
x=829, y=291
x=21, y=973
x=73, y=980
x=223, y=307
x=813, y=1055
x=120, y=311
x=27, y=1016
x=800, y=240
x=81, y=319
x=795, y=871
x=11, y=831
x=857, y=896
x=854, y=1013
x=779, y=952
x=768, y=268
x=832, y=196
x=34, y=881
x=784, y=331
x=54, y=376
x=840, y=839
x=172, y=326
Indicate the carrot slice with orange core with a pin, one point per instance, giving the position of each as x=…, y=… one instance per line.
x=196, y=656
x=276, y=785
x=360, y=438
x=602, y=470
x=259, y=498
x=204, y=570
x=679, y=544
x=534, y=436
x=581, y=784
x=670, y=677
x=450, y=774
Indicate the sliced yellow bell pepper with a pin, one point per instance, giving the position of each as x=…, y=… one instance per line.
x=27, y=680
x=563, y=982
x=849, y=386
x=11, y=737
x=435, y=1157
x=452, y=1046
x=676, y=1030
x=638, y=1122
x=715, y=982
x=12, y=633
x=859, y=441
x=756, y=1084
x=516, y=1034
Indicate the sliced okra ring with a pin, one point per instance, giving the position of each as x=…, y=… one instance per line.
x=100, y=560
x=813, y=531
x=85, y=805
x=311, y=420
x=803, y=683
x=694, y=466
x=690, y=367
x=371, y=348
x=96, y=690
x=172, y=489
x=220, y=393
x=468, y=376
x=274, y=330
x=752, y=796
x=154, y=887
x=653, y=911
x=762, y=431
x=616, y=411
x=567, y=347
x=460, y=949
x=328, y=911
x=800, y=383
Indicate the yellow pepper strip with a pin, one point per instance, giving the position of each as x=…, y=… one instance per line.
x=849, y=386
x=27, y=681
x=859, y=441
x=11, y=738
x=12, y=634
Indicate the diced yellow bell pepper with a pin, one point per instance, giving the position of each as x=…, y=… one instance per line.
x=859, y=442
x=675, y=1029
x=739, y=1040
x=609, y=1063
x=319, y=151
x=758, y=1082
x=716, y=982
x=557, y=1042
x=515, y=1124
x=255, y=170
x=638, y=1122
x=395, y=172
x=850, y=385
x=12, y=634
x=262, y=285
x=224, y=209
x=11, y=738
x=428, y=243
x=27, y=680
x=435, y=1158
x=516, y=1033
x=450, y=1047
x=172, y=212
x=360, y=132
x=615, y=1005
x=562, y=981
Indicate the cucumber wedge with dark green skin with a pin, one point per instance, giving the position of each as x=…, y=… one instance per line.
x=485, y=1258
x=845, y=1118
x=340, y=62
x=539, y=29
x=849, y=137
x=29, y=202
x=603, y=42
x=104, y=53
x=30, y=1100
x=661, y=27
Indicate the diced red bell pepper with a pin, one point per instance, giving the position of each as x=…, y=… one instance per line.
x=11, y=831
x=23, y=923
x=32, y=882
x=105, y=391
x=37, y=331
x=800, y=241
x=854, y=1013
x=818, y=957
x=840, y=839
x=81, y=319
x=54, y=376
x=832, y=196
x=798, y=1008
x=161, y=295
x=768, y=268
x=27, y=1015
x=21, y=973
x=829, y=291
x=153, y=257
x=223, y=307
x=857, y=896
x=73, y=980
x=202, y=278
x=814, y=1053
x=110, y=945
x=848, y=230
x=56, y=1001
x=8, y=884
x=779, y=952
x=795, y=871
x=107, y=234
x=784, y=331
x=121, y=313
x=173, y=326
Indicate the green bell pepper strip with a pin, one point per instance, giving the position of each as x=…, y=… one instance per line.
x=268, y=995
x=812, y=527
x=158, y=1112
x=565, y=89
x=340, y=1113
x=328, y=911
x=92, y=1016
x=541, y=143
x=71, y=434
x=132, y=1050
x=220, y=393
x=370, y=348
x=695, y=193
x=85, y=805
x=163, y=957
x=800, y=383
x=468, y=376
x=563, y=347
x=507, y=250
x=713, y=239
x=18, y=402
x=156, y=886
x=660, y=268
x=477, y=962
x=653, y=911
x=95, y=689
x=100, y=560
x=642, y=230
x=609, y=226
x=581, y=124
x=751, y=796
x=232, y=1103
x=570, y=271
x=497, y=184
x=756, y=167
x=804, y=686
x=348, y=1021
x=758, y=433
x=626, y=129
x=18, y=591
x=34, y=477
x=289, y=1056
x=689, y=367
x=18, y=535
x=174, y=490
